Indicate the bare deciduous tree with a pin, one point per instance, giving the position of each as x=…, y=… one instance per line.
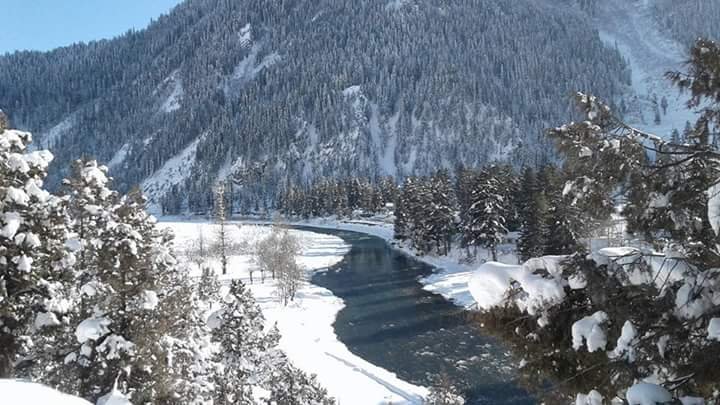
x=198, y=251
x=265, y=256
x=276, y=254
x=289, y=273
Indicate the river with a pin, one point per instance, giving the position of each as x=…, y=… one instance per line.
x=390, y=321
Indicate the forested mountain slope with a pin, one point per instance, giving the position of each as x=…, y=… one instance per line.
x=300, y=89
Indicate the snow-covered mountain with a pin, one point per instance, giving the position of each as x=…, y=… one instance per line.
x=296, y=90
x=632, y=27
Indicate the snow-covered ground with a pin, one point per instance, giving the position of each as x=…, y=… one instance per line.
x=15, y=392
x=306, y=325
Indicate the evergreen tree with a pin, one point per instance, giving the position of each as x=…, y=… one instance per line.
x=208, y=286
x=292, y=386
x=33, y=260
x=185, y=365
x=89, y=213
x=533, y=215
x=465, y=182
x=243, y=343
x=407, y=205
x=119, y=341
x=440, y=213
x=675, y=136
x=566, y=223
x=388, y=191
x=425, y=213
x=485, y=218
x=510, y=186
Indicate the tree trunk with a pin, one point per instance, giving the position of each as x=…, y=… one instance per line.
x=6, y=364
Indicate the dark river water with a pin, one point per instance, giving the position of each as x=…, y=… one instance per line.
x=390, y=321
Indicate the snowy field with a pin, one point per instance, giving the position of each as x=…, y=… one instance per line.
x=306, y=325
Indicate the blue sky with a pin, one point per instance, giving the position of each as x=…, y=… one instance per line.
x=47, y=24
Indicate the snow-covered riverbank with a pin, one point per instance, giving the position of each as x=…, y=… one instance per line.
x=306, y=325
x=452, y=275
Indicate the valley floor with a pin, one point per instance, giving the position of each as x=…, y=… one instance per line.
x=306, y=325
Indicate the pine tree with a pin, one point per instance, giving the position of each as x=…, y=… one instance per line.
x=185, y=366
x=33, y=258
x=242, y=340
x=533, y=217
x=675, y=136
x=89, y=213
x=291, y=386
x=671, y=194
x=485, y=219
x=440, y=212
x=566, y=223
x=465, y=183
x=388, y=190
x=510, y=186
x=404, y=209
x=209, y=285
x=119, y=341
